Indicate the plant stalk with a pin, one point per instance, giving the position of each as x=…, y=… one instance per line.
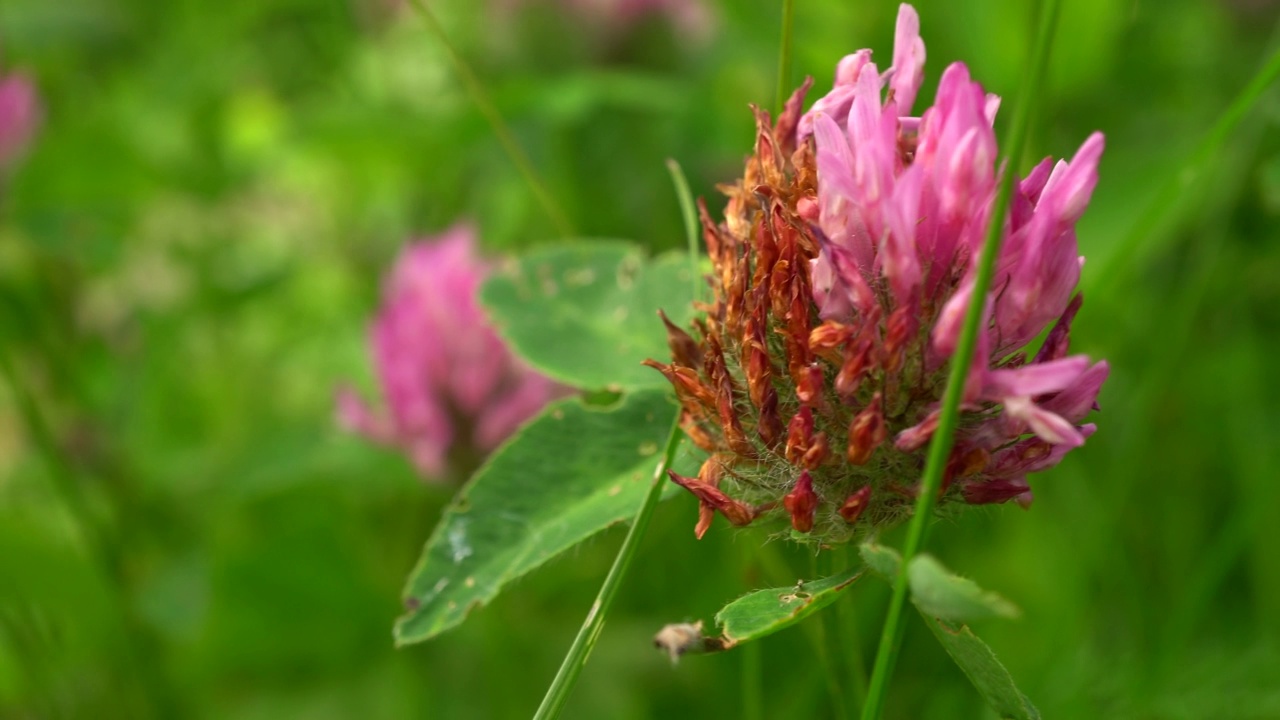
x=475, y=89
x=944, y=437
x=784, y=56
x=582, y=645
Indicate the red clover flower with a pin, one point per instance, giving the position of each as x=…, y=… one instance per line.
x=841, y=274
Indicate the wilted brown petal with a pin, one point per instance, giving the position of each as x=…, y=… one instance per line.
x=855, y=504
x=684, y=350
x=734, y=511
x=867, y=432
x=802, y=503
x=799, y=434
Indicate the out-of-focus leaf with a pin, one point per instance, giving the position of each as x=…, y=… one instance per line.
x=882, y=560
x=953, y=594
x=935, y=590
x=983, y=669
x=572, y=472
x=765, y=612
x=940, y=593
x=586, y=314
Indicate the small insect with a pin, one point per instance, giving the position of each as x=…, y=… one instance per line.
x=680, y=638
x=797, y=593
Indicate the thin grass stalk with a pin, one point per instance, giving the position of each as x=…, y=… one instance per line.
x=848, y=637
x=689, y=214
x=475, y=90
x=944, y=437
x=567, y=676
x=784, y=56
x=752, y=682
x=553, y=702
x=141, y=647
x=821, y=639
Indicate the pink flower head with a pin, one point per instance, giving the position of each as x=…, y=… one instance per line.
x=908, y=200
x=19, y=114
x=843, y=272
x=448, y=381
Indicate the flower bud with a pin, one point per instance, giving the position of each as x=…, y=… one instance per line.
x=867, y=432
x=854, y=505
x=802, y=503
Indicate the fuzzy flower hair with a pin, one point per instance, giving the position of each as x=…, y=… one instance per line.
x=452, y=388
x=842, y=271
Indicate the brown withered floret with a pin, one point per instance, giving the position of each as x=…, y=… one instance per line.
x=767, y=388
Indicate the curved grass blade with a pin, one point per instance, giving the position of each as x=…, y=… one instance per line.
x=567, y=676
x=1163, y=214
x=576, y=659
x=512, y=148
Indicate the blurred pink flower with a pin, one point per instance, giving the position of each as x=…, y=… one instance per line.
x=19, y=115
x=688, y=16
x=448, y=381
x=692, y=18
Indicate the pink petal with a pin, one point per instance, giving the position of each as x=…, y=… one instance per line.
x=1052, y=428
x=1071, y=185
x=1035, y=379
x=1076, y=400
x=908, y=58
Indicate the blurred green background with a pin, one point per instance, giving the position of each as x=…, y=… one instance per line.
x=192, y=248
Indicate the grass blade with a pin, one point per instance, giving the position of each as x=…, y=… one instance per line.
x=553, y=702
x=944, y=437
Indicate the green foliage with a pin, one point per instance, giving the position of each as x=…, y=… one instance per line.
x=191, y=251
x=943, y=599
x=569, y=474
x=586, y=314
x=765, y=612
x=882, y=559
x=941, y=594
x=983, y=669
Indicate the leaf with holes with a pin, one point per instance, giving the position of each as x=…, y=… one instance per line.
x=756, y=615
x=570, y=473
x=586, y=314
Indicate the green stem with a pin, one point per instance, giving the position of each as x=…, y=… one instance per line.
x=490, y=111
x=821, y=642
x=752, y=692
x=848, y=637
x=690, y=216
x=576, y=658
x=784, y=56
x=944, y=437
x=98, y=540
x=141, y=647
